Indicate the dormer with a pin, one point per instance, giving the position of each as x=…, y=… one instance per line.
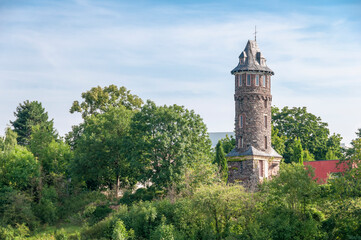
x=242, y=58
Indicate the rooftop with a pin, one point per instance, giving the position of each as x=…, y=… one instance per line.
x=251, y=59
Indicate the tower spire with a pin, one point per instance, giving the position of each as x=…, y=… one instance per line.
x=255, y=33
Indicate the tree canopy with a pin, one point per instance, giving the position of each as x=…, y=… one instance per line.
x=314, y=134
x=29, y=114
x=101, y=156
x=167, y=140
x=99, y=100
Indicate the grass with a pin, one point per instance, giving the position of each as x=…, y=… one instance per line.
x=48, y=233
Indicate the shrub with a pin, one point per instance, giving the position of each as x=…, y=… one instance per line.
x=163, y=232
x=61, y=235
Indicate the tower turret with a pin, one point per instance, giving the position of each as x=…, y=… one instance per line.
x=253, y=157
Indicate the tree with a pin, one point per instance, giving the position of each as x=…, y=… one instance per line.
x=296, y=152
x=312, y=132
x=167, y=140
x=101, y=156
x=18, y=168
x=9, y=141
x=278, y=141
x=99, y=100
x=221, y=204
x=228, y=143
x=221, y=161
x=27, y=116
x=53, y=155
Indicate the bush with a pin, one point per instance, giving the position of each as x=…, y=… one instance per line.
x=142, y=194
x=15, y=208
x=61, y=235
x=120, y=232
x=163, y=232
x=19, y=232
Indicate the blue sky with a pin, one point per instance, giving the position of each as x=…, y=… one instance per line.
x=181, y=52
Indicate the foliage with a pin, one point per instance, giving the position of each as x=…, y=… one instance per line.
x=228, y=143
x=220, y=204
x=278, y=141
x=295, y=151
x=18, y=168
x=29, y=114
x=21, y=231
x=99, y=100
x=162, y=232
x=101, y=156
x=167, y=140
x=293, y=187
x=312, y=132
x=221, y=161
x=15, y=208
x=120, y=232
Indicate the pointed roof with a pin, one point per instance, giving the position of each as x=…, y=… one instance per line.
x=254, y=61
x=252, y=151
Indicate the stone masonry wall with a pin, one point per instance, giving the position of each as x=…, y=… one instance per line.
x=254, y=104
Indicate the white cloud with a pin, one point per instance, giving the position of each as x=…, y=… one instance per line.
x=170, y=61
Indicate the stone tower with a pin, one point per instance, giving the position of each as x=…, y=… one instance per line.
x=253, y=158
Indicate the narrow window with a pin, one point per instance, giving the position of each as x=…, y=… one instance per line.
x=260, y=167
x=257, y=80
x=240, y=80
x=264, y=81
x=248, y=80
x=265, y=142
x=265, y=122
x=265, y=103
x=241, y=141
x=241, y=121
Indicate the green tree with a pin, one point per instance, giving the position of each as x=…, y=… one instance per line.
x=28, y=115
x=168, y=140
x=101, y=156
x=296, y=152
x=293, y=187
x=53, y=155
x=99, y=100
x=228, y=143
x=222, y=205
x=18, y=168
x=313, y=133
x=221, y=161
x=278, y=141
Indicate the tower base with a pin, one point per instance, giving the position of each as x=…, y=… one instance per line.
x=252, y=167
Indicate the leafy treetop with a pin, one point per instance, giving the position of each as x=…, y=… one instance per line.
x=99, y=100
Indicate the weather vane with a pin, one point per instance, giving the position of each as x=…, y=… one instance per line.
x=255, y=33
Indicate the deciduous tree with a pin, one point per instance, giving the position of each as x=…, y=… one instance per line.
x=101, y=156
x=167, y=140
x=99, y=100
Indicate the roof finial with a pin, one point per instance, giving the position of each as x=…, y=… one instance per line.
x=255, y=33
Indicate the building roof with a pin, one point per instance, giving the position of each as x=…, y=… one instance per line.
x=323, y=168
x=252, y=151
x=251, y=59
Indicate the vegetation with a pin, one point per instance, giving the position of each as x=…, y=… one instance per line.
x=56, y=189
